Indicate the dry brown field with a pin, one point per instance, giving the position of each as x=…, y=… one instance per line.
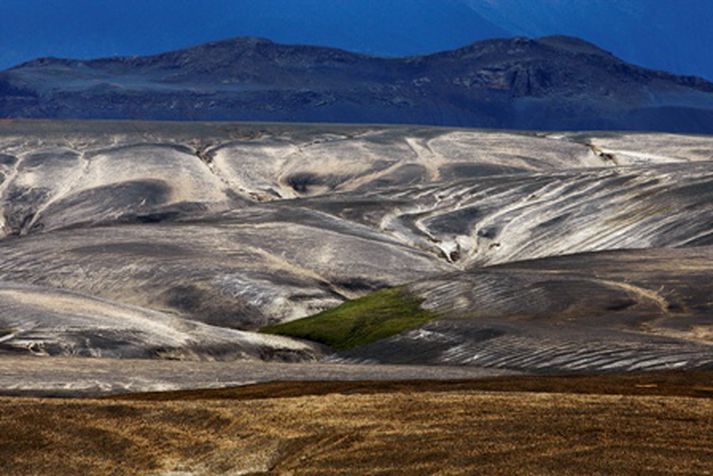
x=632, y=424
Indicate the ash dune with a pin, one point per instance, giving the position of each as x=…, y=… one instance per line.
x=187, y=238
x=239, y=273
x=608, y=311
x=46, y=321
x=111, y=172
x=497, y=219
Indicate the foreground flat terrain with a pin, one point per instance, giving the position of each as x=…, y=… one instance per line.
x=82, y=377
x=407, y=428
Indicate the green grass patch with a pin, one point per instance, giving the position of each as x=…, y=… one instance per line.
x=374, y=317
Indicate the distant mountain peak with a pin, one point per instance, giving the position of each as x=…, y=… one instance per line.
x=239, y=41
x=555, y=82
x=563, y=43
x=44, y=61
x=573, y=45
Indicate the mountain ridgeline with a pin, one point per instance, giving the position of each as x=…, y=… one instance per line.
x=555, y=83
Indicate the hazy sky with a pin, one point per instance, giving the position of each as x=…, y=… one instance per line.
x=666, y=34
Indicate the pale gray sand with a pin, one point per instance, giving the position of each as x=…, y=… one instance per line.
x=66, y=376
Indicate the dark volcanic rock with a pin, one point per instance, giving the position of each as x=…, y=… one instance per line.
x=547, y=83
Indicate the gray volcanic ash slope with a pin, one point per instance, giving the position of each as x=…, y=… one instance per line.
x=618, y=310
x=54, y=322
x=182, y=240
x=546, y=83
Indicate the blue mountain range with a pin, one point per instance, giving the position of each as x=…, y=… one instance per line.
x=672, y=35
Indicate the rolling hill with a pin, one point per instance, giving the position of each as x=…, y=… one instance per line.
x=502, y=250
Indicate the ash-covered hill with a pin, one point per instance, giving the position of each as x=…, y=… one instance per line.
x=183, y=240
x=545, y=83
x=625, y=310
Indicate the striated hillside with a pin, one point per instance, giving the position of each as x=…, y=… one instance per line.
x=610, y=311
x=183, y=240
x=548, y=83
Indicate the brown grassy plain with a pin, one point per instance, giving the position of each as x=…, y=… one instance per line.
x=641, y=424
